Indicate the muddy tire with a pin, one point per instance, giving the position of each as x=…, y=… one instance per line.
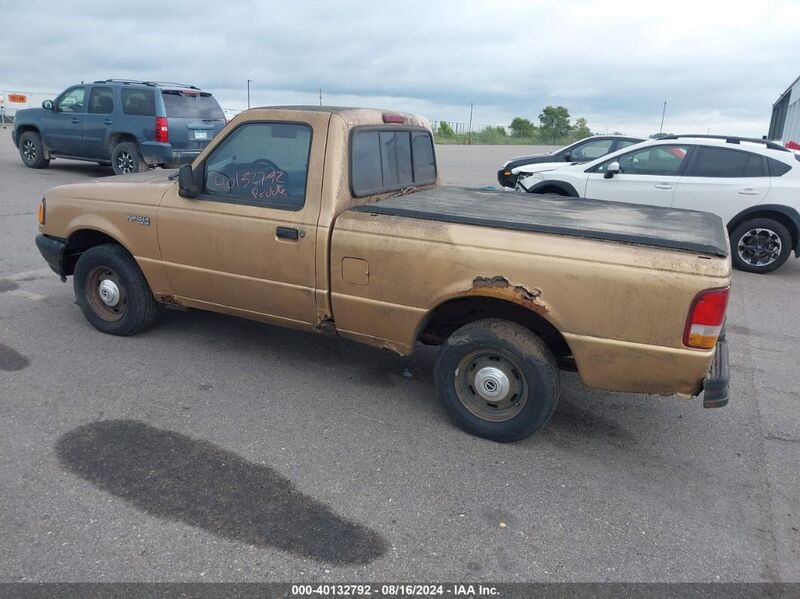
x=126, y=159
x=31, y=150
x=112, y=292
x=497, y=380
x=760, y=245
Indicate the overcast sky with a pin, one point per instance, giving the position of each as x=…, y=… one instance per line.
x=719, y=65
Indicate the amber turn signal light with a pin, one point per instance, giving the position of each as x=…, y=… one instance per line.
x=41, y=211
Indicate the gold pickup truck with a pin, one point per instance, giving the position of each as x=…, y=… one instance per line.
x=333, y=220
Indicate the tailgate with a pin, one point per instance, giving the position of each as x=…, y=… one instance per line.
x=194, y=118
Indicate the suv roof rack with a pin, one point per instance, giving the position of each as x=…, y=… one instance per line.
x=731, y=139
x=170, y=84
x=120, y=81
x=149, y=83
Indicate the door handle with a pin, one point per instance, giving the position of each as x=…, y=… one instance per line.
x=665, y=186
x=75, y=120
x=288, y=233
x=108, y=122
x=748, y=191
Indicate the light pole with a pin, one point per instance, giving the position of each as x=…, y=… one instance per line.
x=249, y=81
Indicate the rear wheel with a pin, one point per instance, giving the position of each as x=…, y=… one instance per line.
x=31, y=150
x=126, y=159
x=760, y=245
x=112, y=292
x=497, y=380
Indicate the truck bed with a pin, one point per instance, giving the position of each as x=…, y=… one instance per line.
x=686, y=230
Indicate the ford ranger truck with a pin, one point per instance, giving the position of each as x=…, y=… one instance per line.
x=333, y=220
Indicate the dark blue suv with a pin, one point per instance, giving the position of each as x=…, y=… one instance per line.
x=130, y=125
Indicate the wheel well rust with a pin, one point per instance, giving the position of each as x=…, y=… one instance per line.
x=505, y=301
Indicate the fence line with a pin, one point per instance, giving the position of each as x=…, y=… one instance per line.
x=464, y=128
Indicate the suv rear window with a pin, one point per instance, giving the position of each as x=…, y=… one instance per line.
x=721, y=162
x=191, y=104
x=384, y=160
x=139, y=102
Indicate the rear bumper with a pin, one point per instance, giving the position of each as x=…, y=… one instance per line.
x=167, y=156
x=52, y=250
x=715, y=385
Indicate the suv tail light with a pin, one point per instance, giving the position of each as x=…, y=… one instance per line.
x=706, y=317
x=162, y=129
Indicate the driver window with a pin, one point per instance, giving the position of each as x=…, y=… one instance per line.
x=591, y=150
x=72, y=100
x=655, y=160
x=263, y=164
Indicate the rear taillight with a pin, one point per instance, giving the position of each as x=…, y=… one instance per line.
x=162, y=129
x=706, y=317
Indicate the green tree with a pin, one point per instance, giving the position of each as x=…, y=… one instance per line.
x=521, y=127
x=580, y=129
x=554, y=122
x=445, y=130
x=495, y=131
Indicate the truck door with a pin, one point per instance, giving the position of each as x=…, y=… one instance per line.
x=63, y=126
x=97, y=122
x=247, y=242
x=647, y=176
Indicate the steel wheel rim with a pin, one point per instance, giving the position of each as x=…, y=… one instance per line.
x=125, y=162
x=29, y=150
x=491, y=386
x=759, y=247
x=99, y=286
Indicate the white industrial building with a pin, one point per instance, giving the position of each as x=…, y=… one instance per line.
x=12, y=100
x=785, y=123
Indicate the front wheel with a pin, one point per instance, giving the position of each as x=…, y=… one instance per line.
x=31, y=150
x=760, y=245
x=497, y=380
x=112, y=292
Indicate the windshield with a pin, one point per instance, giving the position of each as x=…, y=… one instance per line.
x=191, y=104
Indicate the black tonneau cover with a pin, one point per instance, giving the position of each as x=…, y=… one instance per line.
x=674, y=228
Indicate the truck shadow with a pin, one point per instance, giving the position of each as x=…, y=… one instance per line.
x=578, y=417
x=172, y=476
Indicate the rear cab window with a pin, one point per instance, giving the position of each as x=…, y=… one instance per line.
x=191, y=104
x=390, y=159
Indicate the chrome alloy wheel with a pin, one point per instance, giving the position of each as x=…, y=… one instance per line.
x=759, y=247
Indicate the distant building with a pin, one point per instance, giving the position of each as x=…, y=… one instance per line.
x=11, y=101
x=785, y=123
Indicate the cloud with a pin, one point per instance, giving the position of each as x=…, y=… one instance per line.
x=719, y=65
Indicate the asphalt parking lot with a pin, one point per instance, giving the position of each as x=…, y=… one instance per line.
x=236, y=451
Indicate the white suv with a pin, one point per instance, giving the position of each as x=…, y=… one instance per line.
x=752, y=184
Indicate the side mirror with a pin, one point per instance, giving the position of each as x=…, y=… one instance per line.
x=567, y=157
x=187, y=186
x=611, y=170
x=48, y=105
